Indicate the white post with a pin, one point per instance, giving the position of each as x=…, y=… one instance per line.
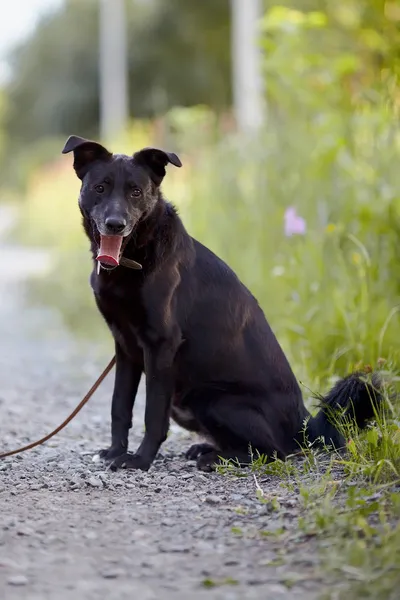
x=248, y=97
x=114, y=109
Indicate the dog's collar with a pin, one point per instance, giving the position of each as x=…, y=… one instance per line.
x=131, y=264
x=124, y=262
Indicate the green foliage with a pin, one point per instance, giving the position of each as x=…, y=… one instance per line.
x=54, y=85
x=178, y=52
x=347, y=51
x=179, y=55
x=3, y=109
x=375, y=455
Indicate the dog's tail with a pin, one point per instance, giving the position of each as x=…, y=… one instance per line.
x=353, y=401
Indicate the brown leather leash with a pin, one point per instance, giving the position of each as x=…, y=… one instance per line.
x=71, y=416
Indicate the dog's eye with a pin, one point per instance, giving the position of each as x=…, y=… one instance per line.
x=136, y=192
x=99, y=188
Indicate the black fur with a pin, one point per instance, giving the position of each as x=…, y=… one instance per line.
x=210, y=358
x=352, y=399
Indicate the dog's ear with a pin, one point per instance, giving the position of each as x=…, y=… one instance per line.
x=155, y=161
x=85, y=152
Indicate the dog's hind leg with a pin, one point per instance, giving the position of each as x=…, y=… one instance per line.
x=238, y=428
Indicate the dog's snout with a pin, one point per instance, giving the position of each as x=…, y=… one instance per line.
x=115, y=224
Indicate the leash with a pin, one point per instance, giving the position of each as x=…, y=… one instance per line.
x=68, y=419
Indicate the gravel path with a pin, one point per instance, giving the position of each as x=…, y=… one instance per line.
x=69, y=528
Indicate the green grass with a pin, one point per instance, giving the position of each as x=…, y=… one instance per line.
x=358, y=540
x=211, y=583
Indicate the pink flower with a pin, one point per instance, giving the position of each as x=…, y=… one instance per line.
x=293, y=223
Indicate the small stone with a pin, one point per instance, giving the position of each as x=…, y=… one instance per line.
x=236, y=497
x=112, y=573
x=187, y=476
x=169, y=480
x=75, y=482
x=95, y=482
x=291, y=503
x=213, y=500
x=175, y=548
x=118, y=482
x=24, y=531
x=200, y=478
x=276, y=589
x=17, y=580
x=168, y=522
x=21, y=487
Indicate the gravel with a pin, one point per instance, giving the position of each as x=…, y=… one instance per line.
x=72, y=529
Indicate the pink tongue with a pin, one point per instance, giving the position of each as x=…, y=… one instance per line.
x=110, y=247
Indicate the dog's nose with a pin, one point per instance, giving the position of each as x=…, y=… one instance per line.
x=115, y=224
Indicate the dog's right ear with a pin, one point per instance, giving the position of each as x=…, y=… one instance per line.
x=85, y=153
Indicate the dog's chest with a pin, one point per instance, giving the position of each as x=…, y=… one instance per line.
x=123, y=310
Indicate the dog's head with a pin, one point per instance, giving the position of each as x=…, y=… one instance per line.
x=117, y=191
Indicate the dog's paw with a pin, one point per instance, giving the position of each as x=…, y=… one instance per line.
x=111, y=453
x=130, y=461
x=207, y=462
x=197, y=450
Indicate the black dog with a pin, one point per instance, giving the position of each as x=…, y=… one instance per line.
x=184, y=319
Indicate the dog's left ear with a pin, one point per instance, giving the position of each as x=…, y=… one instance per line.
x=155, y=161
x=85, y=152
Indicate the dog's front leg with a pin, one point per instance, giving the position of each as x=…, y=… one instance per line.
x=127, y=378
x=161, y=339
x=159, y=388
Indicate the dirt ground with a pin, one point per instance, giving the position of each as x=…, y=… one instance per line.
x=71, y=529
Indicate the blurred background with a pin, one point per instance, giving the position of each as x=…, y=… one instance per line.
x=285, y=116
